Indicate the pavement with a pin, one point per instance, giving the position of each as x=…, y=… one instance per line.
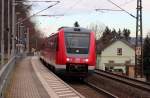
x=24, y=82
x=31, y=79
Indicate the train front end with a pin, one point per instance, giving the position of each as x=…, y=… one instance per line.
x=80, y=51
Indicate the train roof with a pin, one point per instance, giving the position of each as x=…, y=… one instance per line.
x=76, y=29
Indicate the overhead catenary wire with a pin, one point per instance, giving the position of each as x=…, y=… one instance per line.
x=71, y=7
x=51, y=15
x=38, y=12
x=107, y=10
x=127, y=2
x=37, y=1
x=68, y=9
x=121, y=8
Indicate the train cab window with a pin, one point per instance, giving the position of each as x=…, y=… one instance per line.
x=77, y=43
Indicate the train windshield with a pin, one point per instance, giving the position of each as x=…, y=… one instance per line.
x=77, y=43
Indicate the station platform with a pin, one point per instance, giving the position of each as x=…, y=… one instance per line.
x=31, y=79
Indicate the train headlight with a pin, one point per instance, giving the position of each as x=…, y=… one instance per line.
x=68, y=59
x=86, y=60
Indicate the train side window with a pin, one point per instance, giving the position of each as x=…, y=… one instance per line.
x=57, y=45
x=43, y=46
x=55, y=42
x=52, y=44
x=49, y=43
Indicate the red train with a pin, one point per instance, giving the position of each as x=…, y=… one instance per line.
x=71, y=51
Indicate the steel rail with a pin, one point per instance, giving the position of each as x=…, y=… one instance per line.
x=126, y=80
x=108, y=94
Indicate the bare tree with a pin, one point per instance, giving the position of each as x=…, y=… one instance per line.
x=97, y=28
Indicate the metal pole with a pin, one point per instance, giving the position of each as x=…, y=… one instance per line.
x=2, y=33
x=21, y=38
x=28, y=39
x=13, y=28
x=139, y=42
x=18, y=37
x=136, y=45
x=8, y=29
x=36, y=44
x=141, y=38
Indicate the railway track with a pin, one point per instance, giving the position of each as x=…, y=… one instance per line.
x=88, y=89
x=104, y=92
x=126, y=80
x=121, y=86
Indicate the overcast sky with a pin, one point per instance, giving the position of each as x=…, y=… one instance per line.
x=84, y=12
